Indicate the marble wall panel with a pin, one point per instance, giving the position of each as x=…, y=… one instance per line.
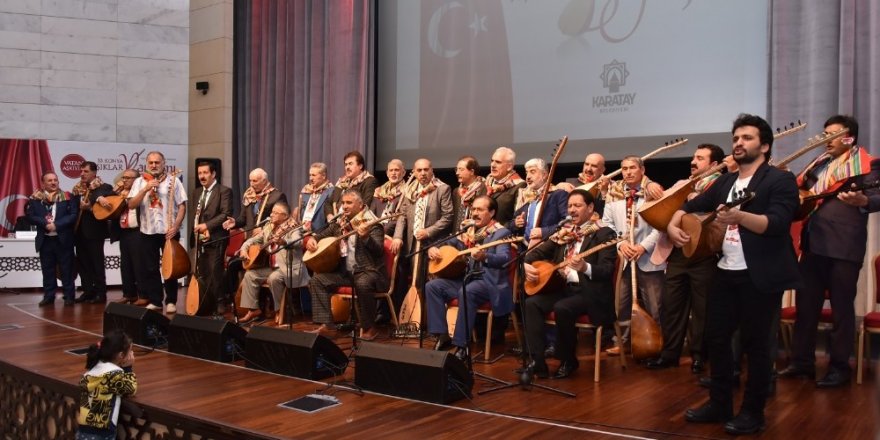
x=31, y=7
x=77, y=97
x=158, y=12
x=10, y=93
x=77, y=62
x=19, y=58
x=91, y=9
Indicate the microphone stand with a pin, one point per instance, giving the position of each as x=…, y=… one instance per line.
x=469, y=275
x=288, y=298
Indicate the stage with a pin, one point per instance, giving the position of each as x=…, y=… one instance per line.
x=227, y=400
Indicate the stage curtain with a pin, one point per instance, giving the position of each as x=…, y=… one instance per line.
x=24, y=161
x=303, y=89
x=824, y=61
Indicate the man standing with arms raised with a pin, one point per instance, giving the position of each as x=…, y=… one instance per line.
x=757, y=264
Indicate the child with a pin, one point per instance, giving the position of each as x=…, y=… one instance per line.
x=108, y=379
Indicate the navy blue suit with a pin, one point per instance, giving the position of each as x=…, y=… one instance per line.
x=555, y=209
x=493, y=285
x=55, y=250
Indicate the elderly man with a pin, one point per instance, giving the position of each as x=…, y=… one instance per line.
x=151, y=195
x=529, y=204
x=276, y=273
x=387, y=198
x=503, y=183
x=492, y=285
x=90, y=234
x=54, y=213
x=592, y=180
x=313, y=198
x=362, y=266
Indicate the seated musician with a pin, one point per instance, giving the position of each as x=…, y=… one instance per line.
x=276, y=272
x=362, y=265
x=492, y=285
x=588, y=289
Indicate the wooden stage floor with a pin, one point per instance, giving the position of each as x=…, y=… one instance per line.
x=631, y=403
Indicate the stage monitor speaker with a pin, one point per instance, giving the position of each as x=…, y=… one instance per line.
x=206, y=338
x=293, y=353
x=218, y=165
x=144, y=326
x=426, y=375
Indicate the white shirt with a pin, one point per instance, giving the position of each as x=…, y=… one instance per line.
x=732, y=256
x=571, y=274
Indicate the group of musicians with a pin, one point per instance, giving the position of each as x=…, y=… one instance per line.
x=704, y=299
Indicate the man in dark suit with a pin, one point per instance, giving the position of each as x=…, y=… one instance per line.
x=356, y=178
x=833, y=241
x=588, y=287
x=492, y=285
x=757, y=264
x=54, y=213
x=313, y=197
x=529, y=203
x=257, y=202
x=470, y=186
x=362, y=266
x=90, y=233
x=213, y=204
x=503, y=183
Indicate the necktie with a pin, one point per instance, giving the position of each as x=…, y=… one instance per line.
x=421, y=208
x=530, y=218
x=631, y=197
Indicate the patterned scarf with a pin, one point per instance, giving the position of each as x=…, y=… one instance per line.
x=855, y=162
x=413, y=193
x=618, y=189
x=251, y=196
x=47, y=198
x=528, y=195
x=308, y=189
x=475, y=236
x=571, y=233
x=345, y=183
x=154, y=194
x=703, y=184
x=469, y=193
x=82, y=187
x=389, y=191
x=584, y=179
x=503, y=184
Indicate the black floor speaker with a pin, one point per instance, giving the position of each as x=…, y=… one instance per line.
x=426, y=375
x=293, y=353
x=142, y=325
x=205, y=338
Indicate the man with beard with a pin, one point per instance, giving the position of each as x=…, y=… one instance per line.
x=53, y=213
x=470, y=186
x=151, y=194
x=356, y=178
x=387, y=198
x=687, y=282
x=503, y=183
x=757, y=264
x=90, y=234
x=213, y=207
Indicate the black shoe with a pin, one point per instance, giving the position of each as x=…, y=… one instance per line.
x=85, y=297
x=697, y=366
x=550, y=351
x=565, y=369
x=100, y=299
x=460, y=353
x=661, y=363
x=796, y=371
x=444, y=342
x=708, y=413
x=46, y=302
x=744, y=424
x=538, y=368
x=69, y=302
x=833, y=379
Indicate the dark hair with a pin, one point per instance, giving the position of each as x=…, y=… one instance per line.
x=588, y=196
x=283, y=205
x=206, y=163
x=46, y=173
x=90, y=165
x=113, y=343
x=493, y=204
x=358, y=157
x=764, y=130
x=470, y=163
x=716, y=154
x=852, y=126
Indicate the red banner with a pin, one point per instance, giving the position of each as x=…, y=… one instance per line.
x=24, y=161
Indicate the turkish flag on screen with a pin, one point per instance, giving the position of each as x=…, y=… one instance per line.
x=466, y=97
x=23, y=162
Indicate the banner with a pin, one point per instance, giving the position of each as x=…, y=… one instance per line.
x=25, y=160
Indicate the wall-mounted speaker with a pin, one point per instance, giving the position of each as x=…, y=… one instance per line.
x=426, y=375
x=142, y=325
x=206, y=338
x=293, y=353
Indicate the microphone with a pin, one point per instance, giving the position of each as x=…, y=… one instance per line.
x=336, y=216
x=467, y=223
x=564, y=221
x=262, y=222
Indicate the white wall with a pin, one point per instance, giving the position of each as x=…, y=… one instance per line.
x=95, y=70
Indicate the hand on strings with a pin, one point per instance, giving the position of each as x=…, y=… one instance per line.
x=577, y=263
x=480, y=255
x=853, y=198
x=729, y=216
x=531, y=273
x=433, y=253
x=677, y=235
